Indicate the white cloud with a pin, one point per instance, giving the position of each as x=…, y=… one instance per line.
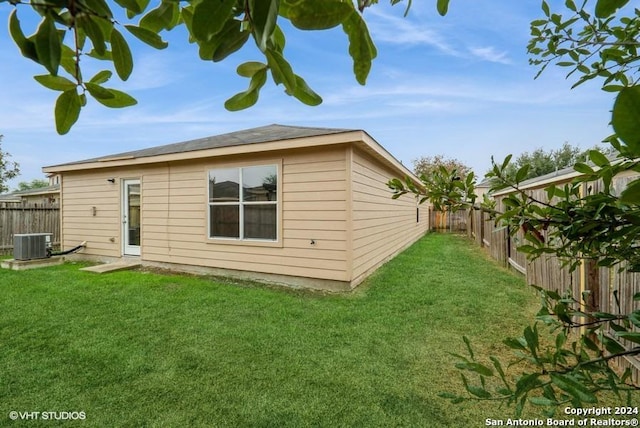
x=489, y=53
x=397, y=30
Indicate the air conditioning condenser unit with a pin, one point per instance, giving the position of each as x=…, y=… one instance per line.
x=29, y=246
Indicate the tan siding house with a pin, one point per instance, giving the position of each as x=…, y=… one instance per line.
x=294, y=205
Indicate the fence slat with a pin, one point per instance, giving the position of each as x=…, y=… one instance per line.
x=27, y=219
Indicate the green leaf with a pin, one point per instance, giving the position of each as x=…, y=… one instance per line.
x=67, y=111
x=467, y=343
x=316, y=15
x=606, y=8
x=164, y=17
x=631, y=195
x=598, y=158
x=570, y=4
x=455, y=399
x=98, y=92
x=634, y=317
x=241, y=100
x=590, y=344
x=626, y=117
x=281, y=70
x=526, y=383
x=443, y=7
x=506, y=161
x=474, y=390
x=142, y=6
x=95, y=33
x=147, y=36
x=121, y=54
x=130, y=6
x=613, y=88
x=68, y=62
x=361, y=47
x=249, y=97
x=48, y=45
x=515, y=344
x=264, y=14
x=57, y=83
x=612, y=346
x=232, y=38
x=531, y=336
x=573, y=387
x=583, y=168
x=305, y=94
x=542, y=401
x=119, y=100
x=545, y=8
x=101, y=77
x=210, y=16
x=476, y=368
x=249, y=68
x=498, y=367
x=26, y=46
x=100, y=8
x=630, y=336
x=561, y=339
x=522, y=173
x=277, y=41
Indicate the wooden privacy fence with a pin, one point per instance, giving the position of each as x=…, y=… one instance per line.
x=15, y=218
x=448, y=221
x=607, y=289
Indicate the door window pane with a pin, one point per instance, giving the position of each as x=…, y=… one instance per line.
x=133, y=215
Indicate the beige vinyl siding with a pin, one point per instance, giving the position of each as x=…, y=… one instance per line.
x=312, y=206
x=381, y=226
x=81, y=192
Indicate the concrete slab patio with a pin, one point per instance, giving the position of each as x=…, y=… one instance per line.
x=31, y=264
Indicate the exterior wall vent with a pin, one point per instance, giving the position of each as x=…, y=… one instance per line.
x=28, y=246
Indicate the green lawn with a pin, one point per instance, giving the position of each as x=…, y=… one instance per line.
x=142, y=349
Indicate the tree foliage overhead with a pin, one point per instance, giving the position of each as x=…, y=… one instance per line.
x=74, y=33
x=36, y=183
x=541, y=161
x=8, y=169
x=427, y=165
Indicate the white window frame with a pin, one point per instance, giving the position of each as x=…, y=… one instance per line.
x=241, y=203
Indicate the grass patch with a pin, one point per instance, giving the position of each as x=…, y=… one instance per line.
x=148, y=349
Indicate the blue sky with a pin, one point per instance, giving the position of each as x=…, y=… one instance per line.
x=459, y=86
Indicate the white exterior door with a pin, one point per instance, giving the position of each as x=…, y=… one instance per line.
x=131, y=217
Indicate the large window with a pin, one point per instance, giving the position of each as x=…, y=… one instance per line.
x=243, y=203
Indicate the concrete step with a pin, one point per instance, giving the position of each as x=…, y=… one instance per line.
x=112, y=267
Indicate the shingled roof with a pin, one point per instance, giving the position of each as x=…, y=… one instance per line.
x=263, y=134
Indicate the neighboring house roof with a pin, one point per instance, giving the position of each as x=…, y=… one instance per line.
x=264, y=138
x=18, y=195
x=564, y=174
x=55, y=188
x=9, y=197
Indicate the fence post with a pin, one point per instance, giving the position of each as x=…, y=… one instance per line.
x=592, y=283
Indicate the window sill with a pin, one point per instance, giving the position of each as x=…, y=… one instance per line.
x=244, y=243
